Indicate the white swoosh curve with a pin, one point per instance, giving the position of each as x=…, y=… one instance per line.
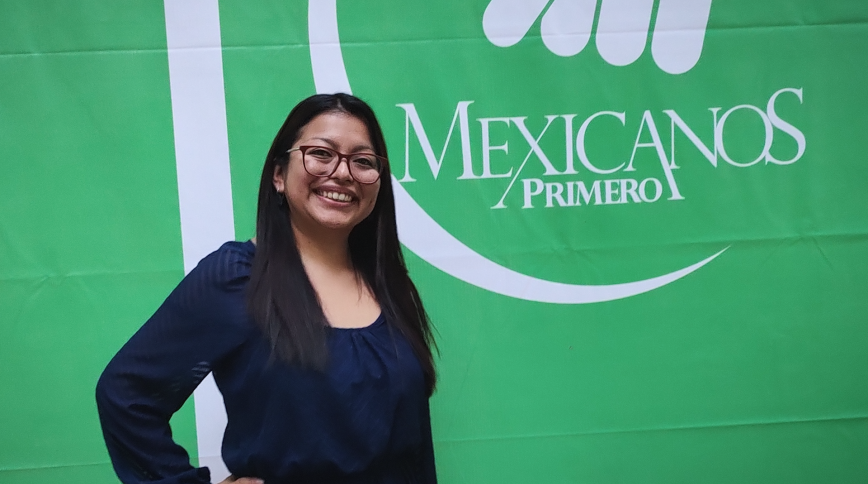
x=426, y=238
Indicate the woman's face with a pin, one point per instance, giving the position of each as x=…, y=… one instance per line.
x=335, y=202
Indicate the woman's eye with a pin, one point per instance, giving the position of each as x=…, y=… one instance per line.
x=365, y=161
x=320, y=153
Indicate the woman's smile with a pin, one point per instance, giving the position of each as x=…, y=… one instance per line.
x=335, y=195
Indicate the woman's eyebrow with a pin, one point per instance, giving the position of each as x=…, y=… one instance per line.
x=327, y=141
x=355, y=149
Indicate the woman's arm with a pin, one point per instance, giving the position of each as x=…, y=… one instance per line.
x=149, y=379
x=428, y=471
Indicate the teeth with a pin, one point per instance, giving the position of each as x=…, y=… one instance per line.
x=341, y=197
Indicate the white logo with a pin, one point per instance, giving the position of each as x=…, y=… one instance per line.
x=622, y=28
x=561, y=180
x=426, y=238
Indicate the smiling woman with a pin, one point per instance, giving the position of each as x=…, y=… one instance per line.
x=322, y=190
x=316, y=336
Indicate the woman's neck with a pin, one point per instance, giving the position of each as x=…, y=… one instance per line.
x=323, y=249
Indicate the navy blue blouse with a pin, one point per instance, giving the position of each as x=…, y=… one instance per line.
x=364, y=420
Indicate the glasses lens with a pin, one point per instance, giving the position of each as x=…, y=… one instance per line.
x=365, y=168
x=319, y=161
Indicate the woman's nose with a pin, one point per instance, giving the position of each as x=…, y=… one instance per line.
x=342, y=171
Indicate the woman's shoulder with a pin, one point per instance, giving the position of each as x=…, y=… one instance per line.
x=230, y=263
x=235, y=251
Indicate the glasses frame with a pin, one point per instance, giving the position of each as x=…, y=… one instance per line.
x=341, y=156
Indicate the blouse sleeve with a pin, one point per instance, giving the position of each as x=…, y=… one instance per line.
x=428, y=469
x=201, y=321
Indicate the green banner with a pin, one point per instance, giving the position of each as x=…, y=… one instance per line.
x=639, y=226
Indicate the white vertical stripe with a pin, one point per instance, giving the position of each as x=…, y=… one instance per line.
x=202, y=159
x=566, y=26
x=622, y=31
x=325, y=47
x=679, y=33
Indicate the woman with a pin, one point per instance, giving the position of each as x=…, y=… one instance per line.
x=315, y=334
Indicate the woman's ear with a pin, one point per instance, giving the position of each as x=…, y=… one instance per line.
x=279, y=179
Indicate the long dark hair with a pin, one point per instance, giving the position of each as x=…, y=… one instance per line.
x=280, y=295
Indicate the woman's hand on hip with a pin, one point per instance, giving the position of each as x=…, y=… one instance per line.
x=241, y=480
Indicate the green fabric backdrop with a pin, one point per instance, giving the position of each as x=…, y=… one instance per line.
x=751, y=369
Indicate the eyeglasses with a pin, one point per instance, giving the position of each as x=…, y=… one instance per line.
x=321, y=161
